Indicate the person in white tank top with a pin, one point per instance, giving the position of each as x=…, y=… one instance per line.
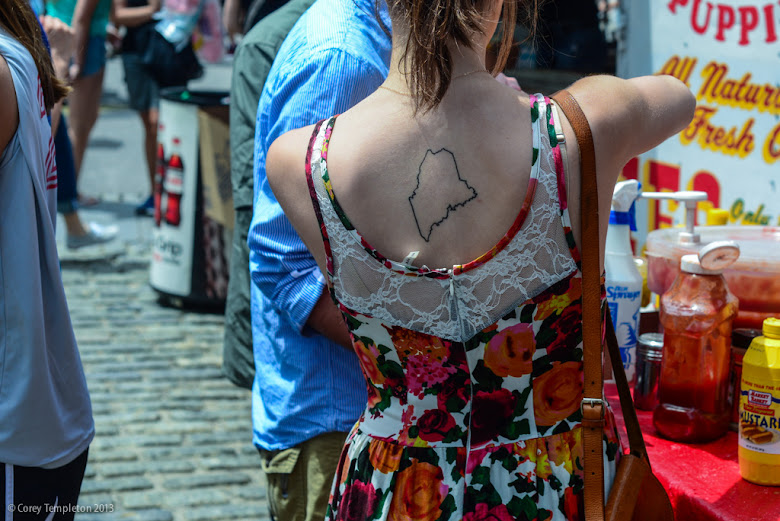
x=46, y=422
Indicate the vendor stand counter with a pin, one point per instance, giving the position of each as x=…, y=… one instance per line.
x=702, y=480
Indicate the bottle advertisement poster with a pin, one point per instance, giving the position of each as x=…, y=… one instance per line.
x=728, y=53
x=176, y=188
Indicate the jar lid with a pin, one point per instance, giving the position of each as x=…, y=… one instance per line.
x=653, y=341
x=690, y=264
x=650, y=346
x=712, y=259
x=772, y=327
x=718, y=255
x=741, y=337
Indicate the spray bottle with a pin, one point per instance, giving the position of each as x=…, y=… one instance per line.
x=624, y=282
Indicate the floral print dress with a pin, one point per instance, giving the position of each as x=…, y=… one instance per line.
x=474, y=372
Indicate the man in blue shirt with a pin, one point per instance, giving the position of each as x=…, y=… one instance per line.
x=308, y=389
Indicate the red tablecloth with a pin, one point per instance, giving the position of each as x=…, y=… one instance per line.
x=703, y=480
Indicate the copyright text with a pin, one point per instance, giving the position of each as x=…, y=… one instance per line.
x=60, y=509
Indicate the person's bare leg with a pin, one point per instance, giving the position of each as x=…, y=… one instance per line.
x=150, y=119
x=84, y=104
x=73, y=224
x=89, y=234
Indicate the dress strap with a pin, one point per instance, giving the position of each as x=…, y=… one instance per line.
x=313, y=153
x=558, y=147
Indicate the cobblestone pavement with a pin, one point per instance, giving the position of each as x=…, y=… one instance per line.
x=173, y=436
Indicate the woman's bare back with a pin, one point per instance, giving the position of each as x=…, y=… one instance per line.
x=455, y=202
x=447, y=184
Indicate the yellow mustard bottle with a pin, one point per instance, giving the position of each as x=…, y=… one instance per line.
x=759, y=408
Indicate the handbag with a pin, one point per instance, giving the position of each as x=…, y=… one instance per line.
x=636, y=493
x=169, y=67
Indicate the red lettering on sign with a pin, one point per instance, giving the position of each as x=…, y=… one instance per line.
x=701, y=29
x=772, y=146
x=705, y=181
x=718, y=88
x=771, y=97
x=662, y=177
x=730, y=142
x=631, y=170
x=674, y=3
x=713, y=73
x=725, y=21
x=749, y=21
x=679, y=68
x=769, y=14
x=747, y=16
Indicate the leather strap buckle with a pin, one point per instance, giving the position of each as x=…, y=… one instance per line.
x=592, y=404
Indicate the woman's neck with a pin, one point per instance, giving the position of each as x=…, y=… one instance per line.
x=465, y=61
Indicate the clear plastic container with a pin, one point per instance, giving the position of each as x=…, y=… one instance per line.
x=697, y=314
x=754, y=278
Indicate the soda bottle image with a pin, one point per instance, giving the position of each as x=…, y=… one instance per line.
x=159, y=179
x=174, y=185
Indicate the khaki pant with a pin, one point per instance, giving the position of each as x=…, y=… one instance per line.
x=299, y=479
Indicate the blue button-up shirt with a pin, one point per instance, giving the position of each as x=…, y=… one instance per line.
x=305, y=385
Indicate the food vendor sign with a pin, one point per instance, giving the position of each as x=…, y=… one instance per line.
x=728, y=53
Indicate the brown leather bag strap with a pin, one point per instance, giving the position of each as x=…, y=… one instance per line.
x=593, y=406
x=636, y=443
x=590, y=252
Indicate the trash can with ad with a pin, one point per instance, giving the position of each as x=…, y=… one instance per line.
x=193, y=216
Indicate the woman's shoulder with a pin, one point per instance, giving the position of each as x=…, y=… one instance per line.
x=631, y=116
x=285, y=160
x=9, y=112
x=290, y=143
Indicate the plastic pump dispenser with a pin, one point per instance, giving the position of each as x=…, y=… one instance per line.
x=624, y=282
x=690, y=199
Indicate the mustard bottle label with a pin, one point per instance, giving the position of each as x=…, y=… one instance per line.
x=759, y=417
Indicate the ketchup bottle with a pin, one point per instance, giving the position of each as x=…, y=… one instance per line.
x=697, y=312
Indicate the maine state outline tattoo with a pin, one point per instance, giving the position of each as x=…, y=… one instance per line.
x=427, y=212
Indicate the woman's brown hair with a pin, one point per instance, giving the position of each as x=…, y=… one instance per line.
x=19, y=19
x=432, y=23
